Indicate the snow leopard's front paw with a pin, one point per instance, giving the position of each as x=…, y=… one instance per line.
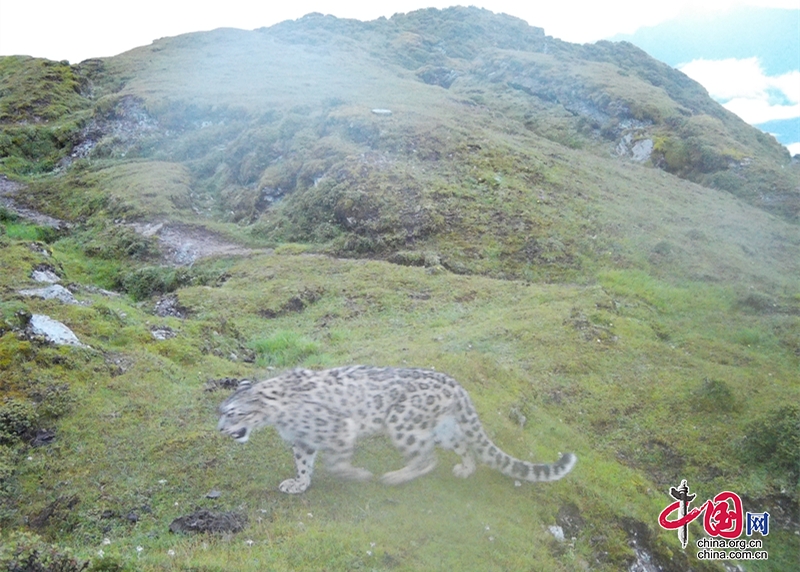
x=462, y=470
x=294, y=486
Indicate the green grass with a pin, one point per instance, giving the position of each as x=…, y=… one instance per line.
x=14, y=228
x=41, y=110
x=514, y=346
x=25, y=231
x=284, y=349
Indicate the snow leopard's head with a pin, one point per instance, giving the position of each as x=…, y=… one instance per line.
x=247, y=409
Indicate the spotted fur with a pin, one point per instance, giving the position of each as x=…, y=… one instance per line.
x=329, y=410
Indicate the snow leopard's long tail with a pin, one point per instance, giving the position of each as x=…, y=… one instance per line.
x=533, y=472
x=490, y=454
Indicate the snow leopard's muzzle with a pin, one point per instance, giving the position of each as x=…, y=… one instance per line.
x=241, y=435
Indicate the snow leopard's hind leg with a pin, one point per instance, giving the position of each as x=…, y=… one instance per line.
x=448, y=435
x=417, y=446
x=304, y=456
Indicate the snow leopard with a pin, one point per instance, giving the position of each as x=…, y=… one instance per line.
x=330, y=410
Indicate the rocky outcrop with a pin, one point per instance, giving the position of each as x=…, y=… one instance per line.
x=118, y=132
x=438, y=75
x=637, y=149
x=52, y=292
x=52, y=331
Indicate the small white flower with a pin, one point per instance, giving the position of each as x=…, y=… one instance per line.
x=170, y=552
x=249, y=542
x=30, y=458
x=491, y=539
x=310, y=515
x=369, y=552
x=372, y=545
x=176, y=503
x=487, y=527
x=100, y=553
x=106, y=541
x=162, y=482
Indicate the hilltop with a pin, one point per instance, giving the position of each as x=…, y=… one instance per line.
x=604, y=257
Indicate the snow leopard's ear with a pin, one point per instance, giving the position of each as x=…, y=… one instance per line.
x=244, y=385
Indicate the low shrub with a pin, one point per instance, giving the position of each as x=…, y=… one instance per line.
x=25, y=552
x=774, y=440
x=117, y=242
x=148, y=281
x=714, y=396
x=17, y=418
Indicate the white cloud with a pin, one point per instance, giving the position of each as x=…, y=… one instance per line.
x=794, y=148
x=727, y=79
x=743, y=88
x=757, y=111
x=789, y=84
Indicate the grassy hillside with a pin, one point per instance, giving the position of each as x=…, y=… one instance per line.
x=501, y=224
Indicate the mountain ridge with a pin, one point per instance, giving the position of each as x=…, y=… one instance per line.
x=271, y=121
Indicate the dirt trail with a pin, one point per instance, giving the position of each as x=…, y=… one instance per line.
x=181, y=244
x=9, y=190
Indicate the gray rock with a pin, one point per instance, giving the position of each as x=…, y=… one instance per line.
x=557, y=532
x=54, y=292
x=637, y=149
x=96, y=290
x=162, y=333
x=642, y=149
x=53, y=331
x=169, y=306
x=45, y=275
x=441, y=76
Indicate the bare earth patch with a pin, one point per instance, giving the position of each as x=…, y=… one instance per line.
x=207, y=521
x=9, y=190
x=183, y=244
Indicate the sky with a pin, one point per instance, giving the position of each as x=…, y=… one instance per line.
x=747, y=90
x=743, y=87
x=75, y=30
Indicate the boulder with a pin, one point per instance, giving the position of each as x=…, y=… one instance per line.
x=53, y=331
x=53, y=292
